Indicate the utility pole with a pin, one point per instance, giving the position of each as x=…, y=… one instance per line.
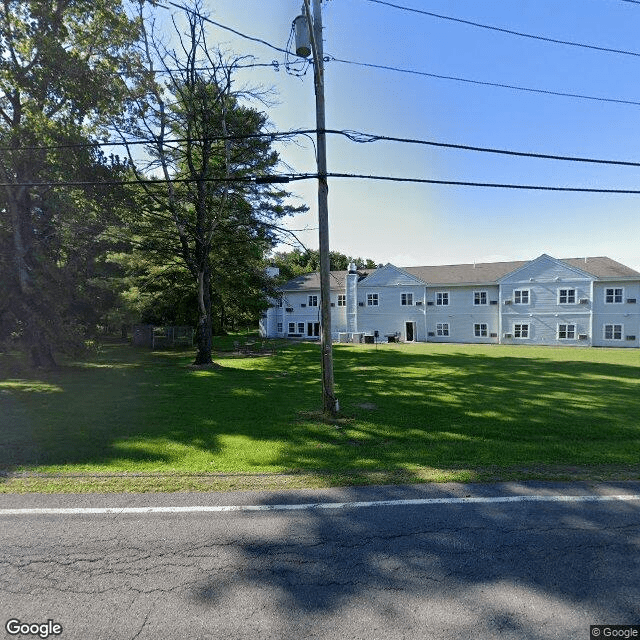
x=329, y=400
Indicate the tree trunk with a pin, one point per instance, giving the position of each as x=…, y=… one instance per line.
x=204, y=332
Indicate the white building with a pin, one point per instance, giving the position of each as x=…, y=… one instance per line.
x=546, y=301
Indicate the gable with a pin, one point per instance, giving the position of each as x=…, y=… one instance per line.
x=390, y=276
x=545, y=269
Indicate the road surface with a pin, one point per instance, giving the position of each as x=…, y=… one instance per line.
x=510, y=561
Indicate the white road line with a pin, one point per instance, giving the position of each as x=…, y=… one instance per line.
x=311, y=506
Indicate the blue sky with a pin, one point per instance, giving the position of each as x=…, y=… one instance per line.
x=409, y=224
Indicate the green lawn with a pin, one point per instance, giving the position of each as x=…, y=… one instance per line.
x=410, y=412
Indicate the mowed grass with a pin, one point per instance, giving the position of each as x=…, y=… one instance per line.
x=409, y=413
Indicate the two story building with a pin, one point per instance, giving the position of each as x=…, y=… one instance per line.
x=545, y=301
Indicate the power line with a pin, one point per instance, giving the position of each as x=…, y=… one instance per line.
x=222, y=26
x=510, y=31
x=500, y=85
x=357, y=176
x=460, y=183
x=122, y=143
x=362, y=138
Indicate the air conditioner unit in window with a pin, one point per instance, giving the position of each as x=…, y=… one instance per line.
x=493, y=335
x=289, y=309
x=333, y=304
x=582, y=336
x=631, y=300
x=430, y=303
x=431, y=334
x=493, y=302
x=507, y=301
x=508, y=335
x=418, y=302
x=631, y=338
x=361, y=304
x=584, y=301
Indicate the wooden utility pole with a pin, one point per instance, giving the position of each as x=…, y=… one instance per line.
x=329, y=400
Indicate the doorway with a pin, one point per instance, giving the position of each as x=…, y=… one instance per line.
x=313, y=329
x=410, y=331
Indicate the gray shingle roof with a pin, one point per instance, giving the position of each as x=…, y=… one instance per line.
x=480, y=273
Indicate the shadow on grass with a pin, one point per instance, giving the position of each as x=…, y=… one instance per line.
x=443, y=406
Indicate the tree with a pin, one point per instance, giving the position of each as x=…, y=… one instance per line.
x=295, y=263
x=62, y=70
x=208, y=146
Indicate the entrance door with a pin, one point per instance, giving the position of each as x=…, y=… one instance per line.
x=410, y=331
x=313, y=329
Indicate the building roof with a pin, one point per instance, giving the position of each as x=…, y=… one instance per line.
x=474, y=273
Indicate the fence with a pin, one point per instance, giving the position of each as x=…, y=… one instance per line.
x=147, y=335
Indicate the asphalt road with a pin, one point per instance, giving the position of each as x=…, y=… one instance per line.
x=451, y=569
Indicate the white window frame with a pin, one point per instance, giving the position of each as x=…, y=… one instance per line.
x=521, y=293
x=342, y=299
x=568, y=294
x=613, y=331
x=521, y=330
x=442, y=298
x=300, y=328
x=481, y=330
x=442, y=329
x=568, y=329
x=312, y=301
x=292, y=328
x=614, y=295
x=279, y=327
x=406, y=299
x=373, y=300
x=480, y=298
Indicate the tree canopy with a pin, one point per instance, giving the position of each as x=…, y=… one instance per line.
x=63, y=66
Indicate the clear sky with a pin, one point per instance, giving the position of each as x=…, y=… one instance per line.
x=410, y=224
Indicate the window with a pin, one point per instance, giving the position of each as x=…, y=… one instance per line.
x=521, y=296
x=566, y=332
x=613, y=296
x=480, y=330
x=613, y=332
x=342, y=300
x=520, y=330
x=479, y=297
x=442, y=329
x=279, y=329
x=442, y=298
x=292, y=327
x=280, y=302
x=372, y=299
x=313, y=301
x=406, y=299
x=566, y=296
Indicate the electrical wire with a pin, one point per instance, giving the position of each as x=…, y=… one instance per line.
x=509, y=31
x=221, y=26
x=356, y=176
x=500, y=85
x=460, y=183
x=364, y=138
